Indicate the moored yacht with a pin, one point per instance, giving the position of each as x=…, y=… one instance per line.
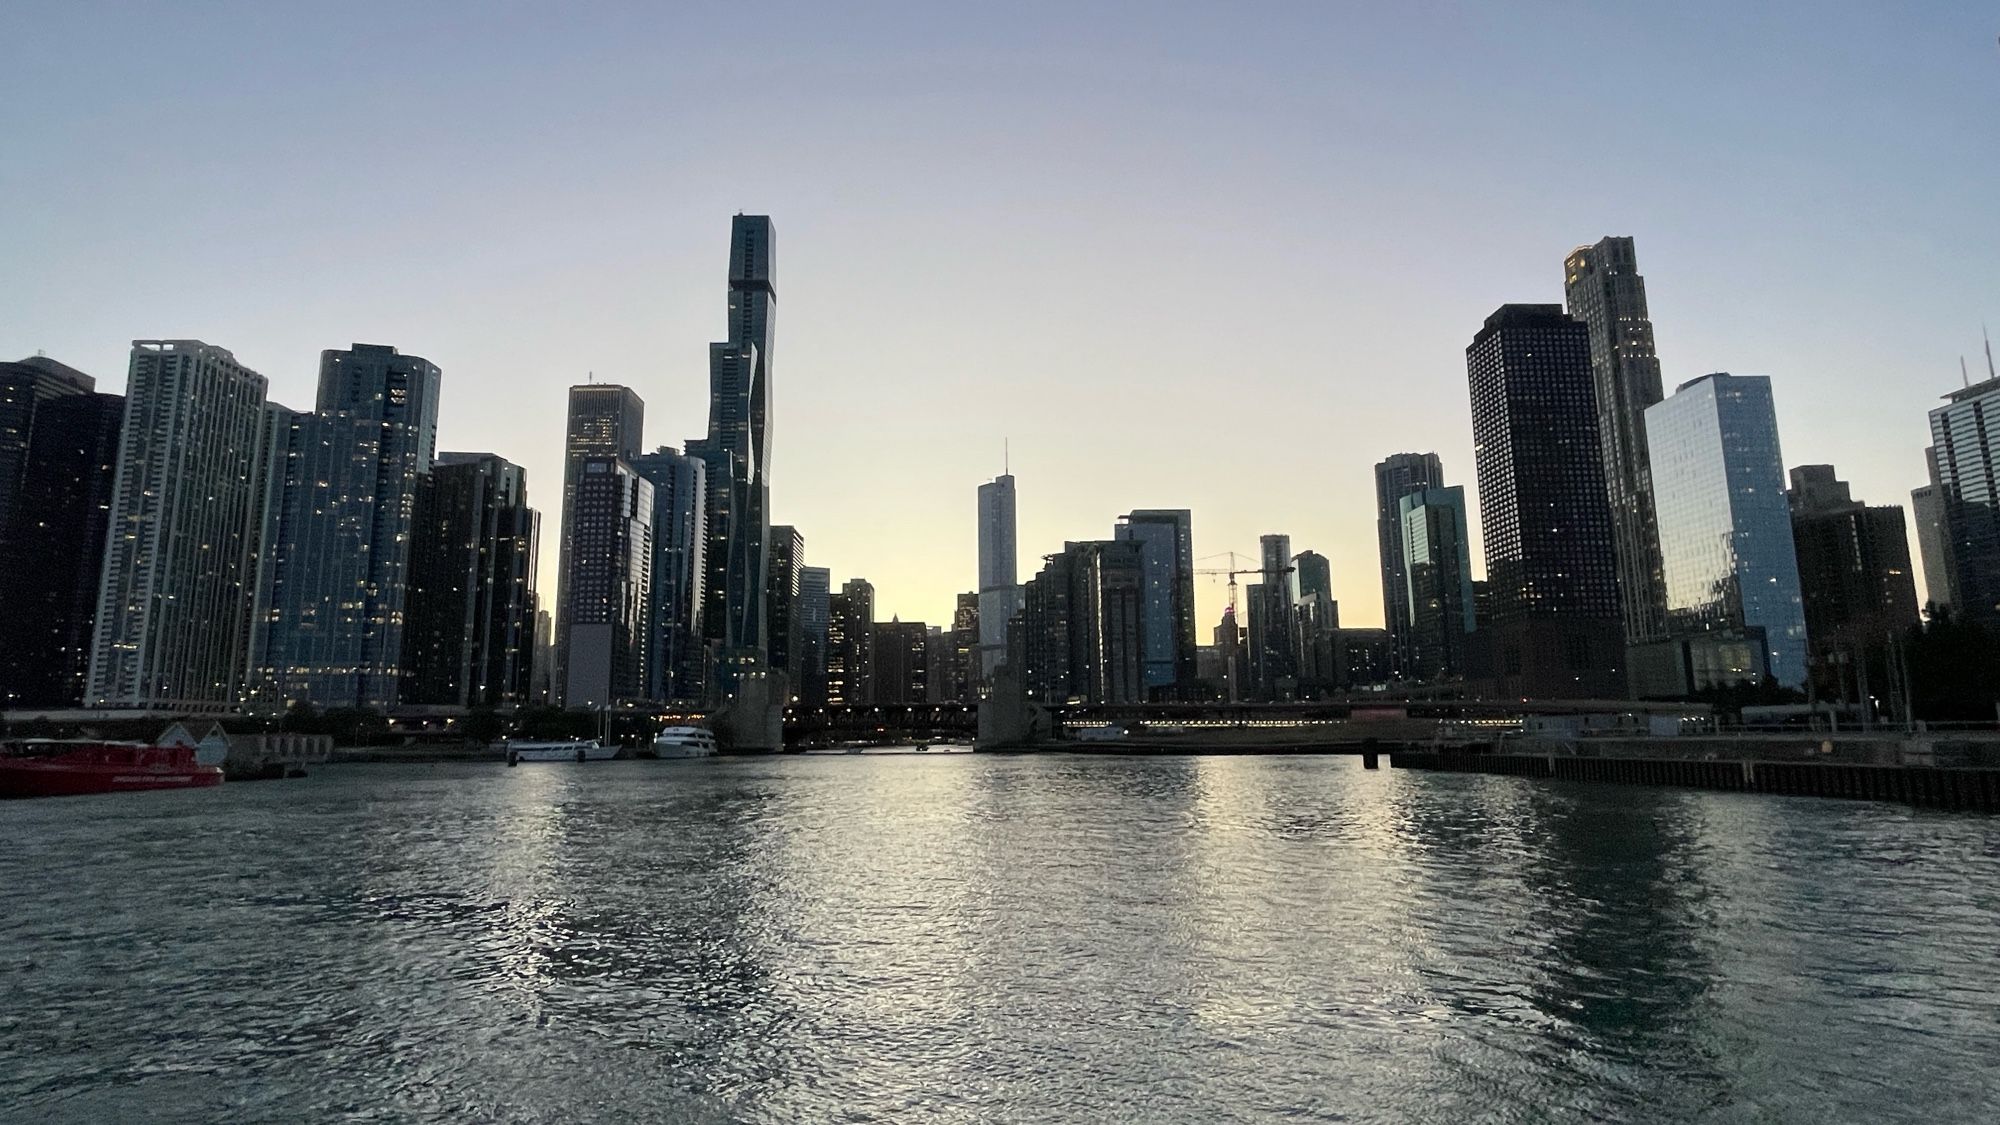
x=684, y=742
x=569, y=750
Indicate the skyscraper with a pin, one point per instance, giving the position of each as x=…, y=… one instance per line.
x=1080, y=625
x=1963, y=431
x=469, y=640
x=172, y=611
x=738, y=450
x=1396, y=476
x=53, y=557
x=1545, y=522
x=341, y=505
x=850, y=644
x=1273, y=613
x=604, y=420
x=814, y=611
x=1166, y=560
x=676, y=661
x=609, y=596
x=1000, y=593
x=901, y=662
x=787, y=554
x=23, y=387
x=965, y=649
x=1933, y=535
x=1438, y=561
x=1317, y=626
x=1606, y=293
x=1855, y=582
x=1726, y=527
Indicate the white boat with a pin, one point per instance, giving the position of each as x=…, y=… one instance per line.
x=684, y=742
x=566, y=751
x=1109, y=732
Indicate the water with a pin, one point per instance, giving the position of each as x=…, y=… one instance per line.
x=992, y=938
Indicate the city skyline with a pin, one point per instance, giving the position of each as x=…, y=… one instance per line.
x=1848, y=334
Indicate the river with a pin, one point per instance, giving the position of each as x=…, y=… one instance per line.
x=1038, y=938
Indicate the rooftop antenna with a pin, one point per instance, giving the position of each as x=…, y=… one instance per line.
x=1964, y=376
x=1990, y=374
x=1006, y=456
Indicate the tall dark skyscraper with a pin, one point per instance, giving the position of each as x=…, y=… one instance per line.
x=1933, y=535
x=902, y=662
x=469, y=639
x=173, y=610
x=850, y=644
x=341, y=503
x=1605, y=292
x=23, y=387
x=1968, y=462
x=787, y=554
x=738, y=450
x=609, y=598
x=1545, y=520
x=1273, y=621
x=814, y=611
x=1396, y=476
x=605, y=420
x=53, y=556
x=676, y=661
x=1166, y=557
x=1082, y=626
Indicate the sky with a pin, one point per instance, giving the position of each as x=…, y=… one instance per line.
x=1203, y=256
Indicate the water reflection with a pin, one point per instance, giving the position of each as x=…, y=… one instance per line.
x=970, y=938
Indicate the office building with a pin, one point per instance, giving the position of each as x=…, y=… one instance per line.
x=738, y=453
x=1605, y=291
x=608, y=599
x=676, y=659
x=1082, y=635
x=901, y=662
x=1726, y=531
x=814, y=609
x=1545, y=521
x=1965, y=432
x=340, y=503
x=24, y=386
x=52, y=549
x=603, y=420
x=469, y=636
x=1933, y=536
x=781, y=592
x=172, y=611
x=1273, y=605
x=1166, y=559
x=1437, y=559
x=1397, y=476
x=965, y=649
x=850, y=644
x=1000, y=592
x=1855, y=583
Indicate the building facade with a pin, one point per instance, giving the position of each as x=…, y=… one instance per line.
x=1000, y=592
x=1725, y=524
x=469, y=636
x=1544, y=519
x=609, y=597
x=172, y=623
x=1166, y=558
x=603, y=420
x=52, y=549
x=814, y=612
x=1605, y=291
x=781, y=594
x=676, y=659
x=1856, y=584
x=1933, y=536
x=850, y=644
x=1438, y=564
x=902, y=662
x=1082, y=632
x=1965, y=432
x=1396, y=476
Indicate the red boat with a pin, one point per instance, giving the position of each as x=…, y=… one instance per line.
x=48, y=768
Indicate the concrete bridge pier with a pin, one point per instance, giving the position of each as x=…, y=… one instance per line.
x=1006, y=719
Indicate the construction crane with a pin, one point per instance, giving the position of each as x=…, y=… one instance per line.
x=1232, y=570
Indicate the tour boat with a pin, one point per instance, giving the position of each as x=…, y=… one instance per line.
x=566, y=751
x=51, y=768
x=684, y=742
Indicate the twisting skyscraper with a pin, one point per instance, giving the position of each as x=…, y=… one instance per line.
x=737, y=450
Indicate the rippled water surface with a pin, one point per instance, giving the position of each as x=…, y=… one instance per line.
x=983, y=938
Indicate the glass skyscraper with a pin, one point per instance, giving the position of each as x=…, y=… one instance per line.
x=605, y=420
x=1438, y=560
x=1966, y=434
x=1000, y=591
x=1396, y=476
x=737, y=449
x=469, y=639
x=611, y=584
x=1166, y=608
x=1724, y=520
x=675, y=660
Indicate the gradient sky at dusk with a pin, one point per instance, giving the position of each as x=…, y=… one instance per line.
x=1215, y=257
